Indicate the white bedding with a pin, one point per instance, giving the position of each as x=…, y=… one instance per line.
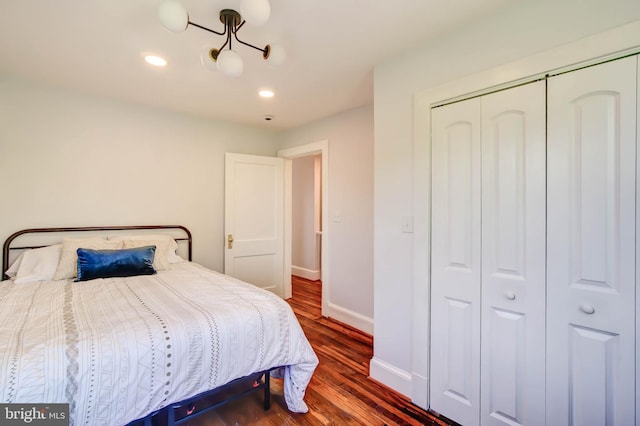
x=118, y=349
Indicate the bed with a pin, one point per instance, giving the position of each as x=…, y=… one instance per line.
x=120, y=349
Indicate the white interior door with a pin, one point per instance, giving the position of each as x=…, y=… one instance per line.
x=254, y=220
x=513, y=256
x=591, y=246
x=455, y=282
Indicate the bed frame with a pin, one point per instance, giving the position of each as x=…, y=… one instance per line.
x=179, y=412
x=8, y=247
x=184, y=411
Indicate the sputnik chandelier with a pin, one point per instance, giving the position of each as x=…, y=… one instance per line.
x=175, y=18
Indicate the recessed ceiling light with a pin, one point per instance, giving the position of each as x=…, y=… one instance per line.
x=155, y=60
x=266, y=93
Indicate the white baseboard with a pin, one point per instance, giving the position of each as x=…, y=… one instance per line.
x=307, y=274
x=348, y=317
x=420, y=391
x=390, y=376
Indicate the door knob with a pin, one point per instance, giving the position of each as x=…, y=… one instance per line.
x=230, y=241
x=587, y=309
x=510, y=295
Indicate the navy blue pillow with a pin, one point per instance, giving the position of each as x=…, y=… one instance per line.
x=94, y=264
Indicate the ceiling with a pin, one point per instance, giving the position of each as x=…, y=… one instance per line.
x=332, y=47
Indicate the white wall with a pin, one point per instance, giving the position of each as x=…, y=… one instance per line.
x=523, y=30
x=68, y=159
x=350, y=190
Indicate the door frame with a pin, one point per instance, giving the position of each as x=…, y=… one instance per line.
x=607, y=45
x=315, y=148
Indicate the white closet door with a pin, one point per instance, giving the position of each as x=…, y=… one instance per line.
x=591, y=246
x=455, y=288
x=513, y=256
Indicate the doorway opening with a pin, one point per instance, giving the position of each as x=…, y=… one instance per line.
x=306, y=217
x=306, y=230
x=306, y=203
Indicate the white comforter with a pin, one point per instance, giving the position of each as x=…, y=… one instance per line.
x=118, y=349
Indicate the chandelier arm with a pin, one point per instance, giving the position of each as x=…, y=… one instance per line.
x=207, y=29
x=224, y=45
x=230, y=31
x=247, y=44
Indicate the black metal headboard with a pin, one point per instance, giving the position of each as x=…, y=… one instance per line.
x=7, y=247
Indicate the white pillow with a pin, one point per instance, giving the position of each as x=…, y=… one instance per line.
x=38, y=264
x=175, y=258
x=166, y=247
x=13, y=269
x=68, y=265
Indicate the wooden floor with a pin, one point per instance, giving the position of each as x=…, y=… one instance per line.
x=340, y=392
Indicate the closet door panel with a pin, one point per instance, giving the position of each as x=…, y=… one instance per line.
x=513, y=256
x=591, y=245
x=455, y=291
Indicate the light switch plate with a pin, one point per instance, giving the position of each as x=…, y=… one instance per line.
x=407, y=224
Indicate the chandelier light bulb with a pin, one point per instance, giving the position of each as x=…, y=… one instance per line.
x=173, y=16
x=208, y=62
x=230, y=63
x=277, y=55
x=255, y=12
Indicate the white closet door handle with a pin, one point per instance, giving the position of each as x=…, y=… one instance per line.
x=587, y=309
x=510, y=295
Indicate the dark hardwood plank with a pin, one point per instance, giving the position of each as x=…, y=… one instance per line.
x=340, y=393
